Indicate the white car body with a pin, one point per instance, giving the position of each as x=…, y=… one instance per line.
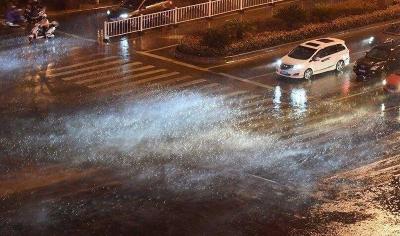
x=328, y=53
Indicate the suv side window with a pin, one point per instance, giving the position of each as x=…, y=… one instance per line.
x=332, y=50
x=322, y=53
x=340, y=47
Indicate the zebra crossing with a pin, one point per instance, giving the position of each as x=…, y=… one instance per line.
x=134, y=79
x=115, y=76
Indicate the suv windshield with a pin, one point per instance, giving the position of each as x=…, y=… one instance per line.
x=378, y=53
x=131, y=4
x=302, y=53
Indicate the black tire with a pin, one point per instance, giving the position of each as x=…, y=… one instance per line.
x=340, y=66
x=308, y=74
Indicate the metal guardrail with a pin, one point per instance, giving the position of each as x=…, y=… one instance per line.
x=178, y=15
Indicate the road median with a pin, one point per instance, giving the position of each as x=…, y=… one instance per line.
x=193, y=48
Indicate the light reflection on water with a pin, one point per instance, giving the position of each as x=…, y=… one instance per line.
x=298, y=101
x=193, y=130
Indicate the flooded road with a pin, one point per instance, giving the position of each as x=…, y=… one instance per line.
x=105, y=139
x=180, y=162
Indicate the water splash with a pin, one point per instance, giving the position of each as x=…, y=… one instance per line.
x=195, y=137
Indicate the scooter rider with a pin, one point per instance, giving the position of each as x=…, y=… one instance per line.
x=33, y=11
x=41, y=27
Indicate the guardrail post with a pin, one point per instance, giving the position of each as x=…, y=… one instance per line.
x=105, y=32
x=241, y=5
x=175, y=16
x=141, y=23
x=209, y=9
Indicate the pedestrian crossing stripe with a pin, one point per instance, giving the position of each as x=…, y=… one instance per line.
x=221, y=89
x=60, y=68
x=107, y=76
x=161, y=83
x=69, y=78
x=235, y=93
x=135, y=83
x=189, y=83
x=170, y=81
x=115, y=62
x=174, y=87
x=142, y=81
x=209, y=86
x=114, y=81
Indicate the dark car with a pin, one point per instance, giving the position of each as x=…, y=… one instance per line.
x=132, y=8
x=392, y=32
x=380, y=60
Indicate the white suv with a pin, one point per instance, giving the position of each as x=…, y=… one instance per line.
x=314, y=57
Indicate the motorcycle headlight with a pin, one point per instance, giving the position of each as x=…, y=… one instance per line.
x=384, y=82
x=124, y=15
x=108, y=12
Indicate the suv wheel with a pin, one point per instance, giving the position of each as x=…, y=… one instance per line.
x=308, y=74
x=340, y=66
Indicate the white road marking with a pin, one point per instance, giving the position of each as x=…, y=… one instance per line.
x=114, y=81
x=217, y=90
x=189, y=83
x=165, y=82
x=119, y=73
x=95, y=72
x=85, y=68
x=142, y=81
x=161, y=48
x=134, y=84
x=235, y=93
x=209, y=86
x=82, y=63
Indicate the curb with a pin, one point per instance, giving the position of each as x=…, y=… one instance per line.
x=226, y=59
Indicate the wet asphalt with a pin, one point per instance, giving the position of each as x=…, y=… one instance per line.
x=123, y=138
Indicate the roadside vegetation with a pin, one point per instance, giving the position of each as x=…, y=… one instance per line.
x=289, y=23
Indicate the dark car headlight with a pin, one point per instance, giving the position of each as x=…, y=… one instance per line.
x=124, y=15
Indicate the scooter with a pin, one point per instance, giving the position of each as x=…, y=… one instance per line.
x=39, y=32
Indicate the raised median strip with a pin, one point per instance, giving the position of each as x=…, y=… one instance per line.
x=200, y=48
